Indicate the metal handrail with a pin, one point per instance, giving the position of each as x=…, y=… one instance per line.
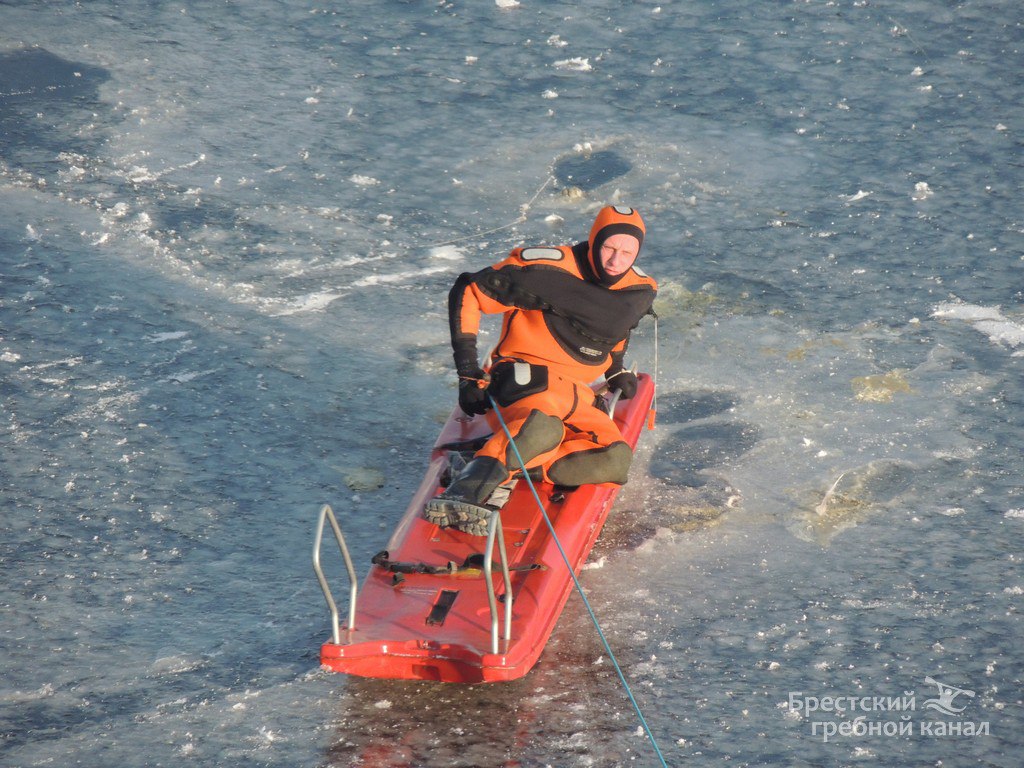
x=494, y=531
x=613, y=402
x=610, y=404
x=327, y=514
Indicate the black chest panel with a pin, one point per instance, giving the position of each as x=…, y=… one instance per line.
x=586, y=319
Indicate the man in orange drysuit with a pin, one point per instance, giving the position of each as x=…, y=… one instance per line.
x=568, y=312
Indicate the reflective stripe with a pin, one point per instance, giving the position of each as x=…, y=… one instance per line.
x=522, y=373
x=534, y=254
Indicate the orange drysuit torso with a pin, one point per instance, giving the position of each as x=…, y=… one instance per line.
x=555, y=313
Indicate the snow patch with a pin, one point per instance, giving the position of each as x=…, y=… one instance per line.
x=398, y=277
x=363, y=181
x=447, y=253
x=156, y=338
x=921, y=191
x=310, y=302
x=576, y=64
x=987, y=320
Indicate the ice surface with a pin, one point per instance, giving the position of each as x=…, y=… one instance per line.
x=228, y=237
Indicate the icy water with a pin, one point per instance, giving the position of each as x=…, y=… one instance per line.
x=227, y=235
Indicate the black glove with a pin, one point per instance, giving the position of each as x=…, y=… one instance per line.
x=473, y=398
x=622, y=380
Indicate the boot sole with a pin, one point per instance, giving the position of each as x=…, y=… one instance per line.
x=461, y=515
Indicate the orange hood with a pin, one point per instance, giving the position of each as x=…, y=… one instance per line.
x=612, y=220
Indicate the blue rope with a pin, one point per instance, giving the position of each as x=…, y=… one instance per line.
x=576, y=581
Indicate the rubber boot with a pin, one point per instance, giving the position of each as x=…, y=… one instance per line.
x=462, y=504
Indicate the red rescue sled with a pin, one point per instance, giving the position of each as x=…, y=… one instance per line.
x=439, y=604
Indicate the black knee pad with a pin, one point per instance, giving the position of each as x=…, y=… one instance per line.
x=600, y=465
x=538, y=434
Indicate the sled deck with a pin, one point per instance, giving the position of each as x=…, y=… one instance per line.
x=440, y=604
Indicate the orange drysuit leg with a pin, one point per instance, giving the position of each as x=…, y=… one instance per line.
x=561, y=431
x=535, y=422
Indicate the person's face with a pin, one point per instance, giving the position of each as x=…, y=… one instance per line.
x=618, y=253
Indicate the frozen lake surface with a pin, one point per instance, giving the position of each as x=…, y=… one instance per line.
x=227, y=238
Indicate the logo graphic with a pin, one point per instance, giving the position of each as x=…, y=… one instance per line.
x=947, y=693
